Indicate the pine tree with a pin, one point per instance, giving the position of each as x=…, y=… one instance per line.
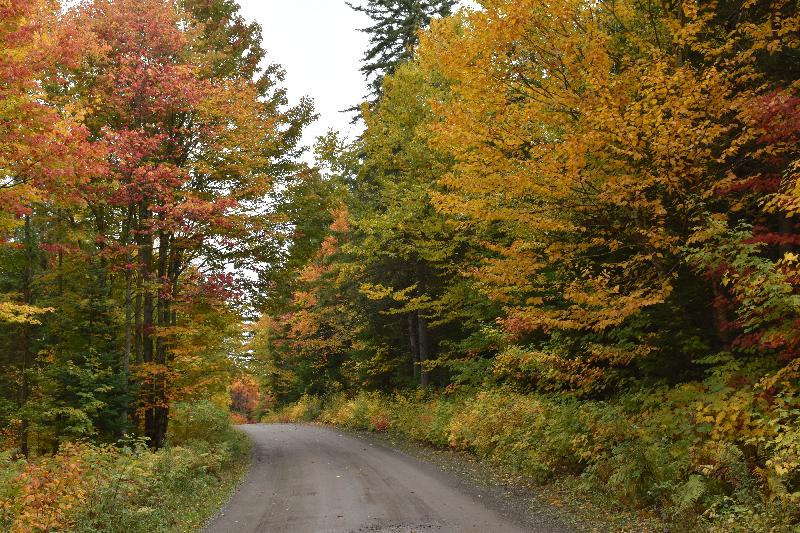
x=395, y=33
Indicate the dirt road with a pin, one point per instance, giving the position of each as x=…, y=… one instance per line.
x=307, y=479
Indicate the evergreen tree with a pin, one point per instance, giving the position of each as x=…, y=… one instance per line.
x=395, y=33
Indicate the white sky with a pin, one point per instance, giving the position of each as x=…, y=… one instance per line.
x=318, y=44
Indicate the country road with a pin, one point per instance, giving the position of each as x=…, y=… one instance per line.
x=307, y=479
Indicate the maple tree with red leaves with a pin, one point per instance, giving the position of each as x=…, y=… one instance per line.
x=141, y=167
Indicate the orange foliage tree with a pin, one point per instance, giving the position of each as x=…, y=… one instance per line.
x=246, y=398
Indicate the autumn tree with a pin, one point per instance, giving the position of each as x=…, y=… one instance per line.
x=146, y=143
x=308, y=347
x=410, y=258
x=44, y=156
x=246, y=396
x=193, y=139
x=574, y=163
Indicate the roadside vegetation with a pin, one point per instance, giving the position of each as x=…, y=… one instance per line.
x=128, y=487
x=639, y=454
x=139, y=142
x=566, y=241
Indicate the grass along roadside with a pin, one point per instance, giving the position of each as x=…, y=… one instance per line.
x=128, y=488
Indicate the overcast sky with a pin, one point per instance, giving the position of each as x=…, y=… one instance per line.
x=318, y=44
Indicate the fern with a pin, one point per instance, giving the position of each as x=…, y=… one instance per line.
x=689, y=494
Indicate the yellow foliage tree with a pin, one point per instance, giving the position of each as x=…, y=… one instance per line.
x=599, y=136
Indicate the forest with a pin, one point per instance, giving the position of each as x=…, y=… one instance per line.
x=566, y=242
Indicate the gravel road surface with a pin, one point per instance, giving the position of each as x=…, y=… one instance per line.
x=308, y=479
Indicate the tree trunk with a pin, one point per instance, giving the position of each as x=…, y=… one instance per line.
x=721, y=320
x=413, y=341
x=126, y=356
x=424, y=346
x=137, y=321
x=27, y=353
x=149, y=396
x=25, y=390
x=785, y=228
x=160, y=406
x=129, y=333
x=422, y=329
x=137, y=341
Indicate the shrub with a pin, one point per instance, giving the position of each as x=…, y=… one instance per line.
x=307, y=409
x=379, y=423
x=199, y=421
x=127, y=488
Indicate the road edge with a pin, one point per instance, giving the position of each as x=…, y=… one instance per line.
x=235, y=486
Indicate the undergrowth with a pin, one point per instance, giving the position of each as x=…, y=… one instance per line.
x=127, y=488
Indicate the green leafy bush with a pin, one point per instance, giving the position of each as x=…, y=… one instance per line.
x=199, y=421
